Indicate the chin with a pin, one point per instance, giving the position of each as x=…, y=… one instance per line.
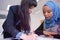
x=48, y=18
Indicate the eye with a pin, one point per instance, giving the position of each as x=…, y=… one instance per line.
x=49, y=11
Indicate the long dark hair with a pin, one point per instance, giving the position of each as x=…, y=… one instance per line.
x=24, y=13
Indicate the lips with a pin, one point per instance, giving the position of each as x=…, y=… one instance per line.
x=47, y=17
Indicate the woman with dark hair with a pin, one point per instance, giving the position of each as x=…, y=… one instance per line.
x=18, y=19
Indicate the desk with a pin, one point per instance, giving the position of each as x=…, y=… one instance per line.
x=39, y=38
x=45, y=38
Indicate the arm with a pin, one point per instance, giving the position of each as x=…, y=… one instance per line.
x=9, y=24
x=39, y=30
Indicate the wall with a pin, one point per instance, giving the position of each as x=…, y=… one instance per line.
x=5, y=3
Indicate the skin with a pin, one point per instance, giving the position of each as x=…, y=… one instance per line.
x=47, y=12
x=48, y=15
x=31, y=9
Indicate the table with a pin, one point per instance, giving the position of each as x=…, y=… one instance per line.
x=39, y=38
x=45, y=38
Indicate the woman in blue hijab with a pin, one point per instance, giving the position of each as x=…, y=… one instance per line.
x=51, y=11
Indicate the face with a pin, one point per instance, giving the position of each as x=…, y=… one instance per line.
x=31, y=9
x=47, y=12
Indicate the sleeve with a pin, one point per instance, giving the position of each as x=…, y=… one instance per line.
x=19, y=35
x=9, y=23
x=39, y=30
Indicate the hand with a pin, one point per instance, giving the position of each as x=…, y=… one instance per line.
x=49, y=34
x=33, y=36
x=25, y=37
x=29, y=37
x=52, y=33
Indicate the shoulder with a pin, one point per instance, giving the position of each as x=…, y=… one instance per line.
x=14, y=8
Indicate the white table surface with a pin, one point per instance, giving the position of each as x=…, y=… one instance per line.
x=45, y=38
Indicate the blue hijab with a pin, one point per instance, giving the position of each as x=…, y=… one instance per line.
x=56, y=14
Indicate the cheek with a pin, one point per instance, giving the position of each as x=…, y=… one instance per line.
x=50, y=15
x=30, y=10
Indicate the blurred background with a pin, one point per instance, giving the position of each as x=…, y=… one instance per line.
x=36, y=17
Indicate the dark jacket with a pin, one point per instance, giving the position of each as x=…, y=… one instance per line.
x=11, y=25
